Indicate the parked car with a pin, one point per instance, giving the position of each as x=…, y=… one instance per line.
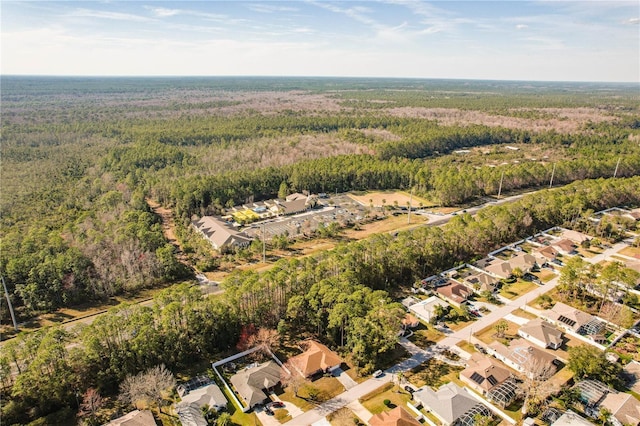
x=378, y=373
x=409, y=389
x=277, y=404
x=269, y=411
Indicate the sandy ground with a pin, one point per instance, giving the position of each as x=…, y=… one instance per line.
x=389, y=197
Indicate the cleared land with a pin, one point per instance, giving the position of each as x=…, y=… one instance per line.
x=389, y=198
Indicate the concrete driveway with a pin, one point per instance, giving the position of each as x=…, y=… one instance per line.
x=344, y=378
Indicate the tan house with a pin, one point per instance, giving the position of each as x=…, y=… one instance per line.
x=456, y=294
x=522, y=356
x=482, y=282
x=574, y=319
x=499, y=268
x=545, y=254
x=564, y=246
x=523, y=261
x=575, y=236
x=484, y=374
x=624, y=408
x=219, y=234
x=396, y=417
x=134, y=418
x=316, y=358
x=541, y=333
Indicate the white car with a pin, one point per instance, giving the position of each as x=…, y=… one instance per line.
x=378, y=373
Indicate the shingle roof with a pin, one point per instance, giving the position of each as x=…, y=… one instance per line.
x=134, y=418
x=543, y=331
x=623, y=406
x=219, y=233
x=396, y=417
x=316, y=357
x=251, y=382
x=568, y=315
x=450, y=401
x=485, y=371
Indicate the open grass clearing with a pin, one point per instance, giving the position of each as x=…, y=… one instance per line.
x=326, y=388
x=524, y=314
x=398, y=398
x=433, y=373
x=631, y=252
x=517, y=289
x=489, y=334
x=466, y=346
x=282, y=415
x=426, y=335
x=390, y=198
x=545, y=275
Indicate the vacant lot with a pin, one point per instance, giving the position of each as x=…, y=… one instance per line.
x=390, y=198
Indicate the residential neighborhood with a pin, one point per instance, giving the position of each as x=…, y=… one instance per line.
x=490, y=322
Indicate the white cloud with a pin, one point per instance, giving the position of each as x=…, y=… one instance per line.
x=269, y=8
x=633, y=21
x=162, y=12
x=521, y=26
x=87, y=13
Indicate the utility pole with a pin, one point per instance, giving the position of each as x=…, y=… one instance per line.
x=553, y=172
x=6, y=293
x=264, y=245
x=500, y=188
x=617, y=165
x=410, y=199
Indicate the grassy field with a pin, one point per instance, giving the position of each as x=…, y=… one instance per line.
x=327, y=387
x=433, y=373
x=517, y=289
x=631, y=252
x=426, y=335
x=375, y=402
x=390, y=198
x=489, y=334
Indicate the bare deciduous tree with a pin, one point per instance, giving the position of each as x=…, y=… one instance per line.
x=149, y=387
x=536, y=387
x=265, y=339
x=295, y=378
x=91, y=403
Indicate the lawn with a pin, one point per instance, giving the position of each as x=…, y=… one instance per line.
x=327, y=388
x=433, y=373
x=282, y=415
x=545, y=275
x=426, y=335
x=517, y=289
x=488, y=334
x=466, y=346
x=398, y=397
x=524, y=314
x=630, y=251
x=237, y=416
x=342, y=417
x=455, y=326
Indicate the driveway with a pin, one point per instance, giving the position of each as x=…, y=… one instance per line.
x=344, y=378
x=360, y=411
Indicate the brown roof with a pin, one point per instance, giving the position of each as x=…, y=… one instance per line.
x=623, y=406
x=219, y=233
x=481, y=369
x=524, y=261
x=410, y=320
x=565, y=245
x=396, y=417
x=575, y=236
x=547, y=251
x=134, y=418
x=456, y=292
x=316, y=357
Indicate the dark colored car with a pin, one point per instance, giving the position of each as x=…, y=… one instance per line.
x=277, y=404
x=409, y=389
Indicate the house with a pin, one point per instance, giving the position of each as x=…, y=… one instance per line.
x=484, y=374
x=251, y=383
x=456, y=294
x=316, y=358
x=571, y=419
x=564, y=246
x=541, y=333
x=426, y=309
x=545, y=254
x=499, y=268
x=631, y=373
x=220, y=235
x=410, y=321
x=451, y=404
x=298, y=205
x=396, y=417
x=574, y=320
x=523, y=261
x=190, y=408
x=624, y=408
x=295, y=196
x=522, y=356
x=482, y=282
x=134, y=418
x=575, y=236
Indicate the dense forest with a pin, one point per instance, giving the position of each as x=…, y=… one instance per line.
x=82, y=156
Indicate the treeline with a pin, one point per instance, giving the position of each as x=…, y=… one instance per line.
x=340, y=296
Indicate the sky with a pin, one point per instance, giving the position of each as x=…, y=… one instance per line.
x=497, y=40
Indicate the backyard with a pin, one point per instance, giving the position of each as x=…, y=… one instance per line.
x=397, y=397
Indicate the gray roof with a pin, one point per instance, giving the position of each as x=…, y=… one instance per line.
x=219, y=233
x=134, y=418
x=210, y=395
x=543, y=331
x=450, y=401
x=250, y=383
x=571, y=419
